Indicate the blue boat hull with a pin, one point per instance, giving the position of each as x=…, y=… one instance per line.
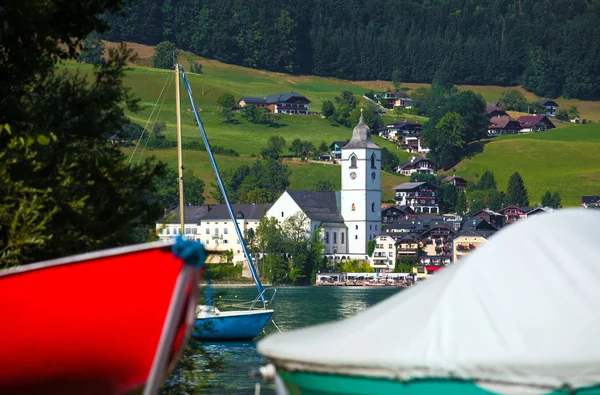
x=231, y=325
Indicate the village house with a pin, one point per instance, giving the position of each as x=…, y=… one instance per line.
x=590, y=201
x=550, y=106
x=465, y=242
x=212, y=225
x=458, y=182
x=495, y=111
x=514, y=213
x=336, y=148
x=504, y=124
x=394, y=131
x=393, y=99
x=394, y=213
x=416, y=165
x=437, y=247
x=476, y=224
x=535, y=123
x=539, y=210
x=384, y=255
x=493, y=218
x=419, y=196
x=280, y=103
x=407, y=246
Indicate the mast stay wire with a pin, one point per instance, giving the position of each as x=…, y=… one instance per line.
x=148, y=121
x=156, y=119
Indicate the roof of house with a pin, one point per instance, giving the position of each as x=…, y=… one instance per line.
x=548, y=102
x=339, y=143
x=414, y=160
x=488, y=212
x=361, y=137
x=494, y=104
x=475, y=223
x=400, y=125
x=283, y=97
x=409, y=237
x=532, y=120
x=409, y=186
x=491, y=109
x=192, y=215
x=470, y=233
x=452, y=178
x=318, y=206
x=247, y=211
x=525, y=209
x=504, y=122
x=253, y=100
x=590, y=199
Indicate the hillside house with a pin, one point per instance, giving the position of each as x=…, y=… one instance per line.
x=495, y=111
x=458, y=182
x=590, y=202
x=416, y=165
x=550, y=106
x=505, y=124
x=476, y=224
x=336, y=148
x=290, y=103
x=419, y=196
x=465, y=242
x=394, y=213
x=535, y=123
x=514, y=213
x=393, y=131
x=393, y=99
x=492, y=217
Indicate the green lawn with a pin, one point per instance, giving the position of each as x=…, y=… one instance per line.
x=564, y=160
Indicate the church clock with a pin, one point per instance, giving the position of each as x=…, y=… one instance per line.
x=353, y=175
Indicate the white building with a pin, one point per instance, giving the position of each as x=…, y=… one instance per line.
x=384, y=255
x=351, y=217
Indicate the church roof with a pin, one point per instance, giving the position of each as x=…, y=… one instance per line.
x=361, y=136
x=318, y=206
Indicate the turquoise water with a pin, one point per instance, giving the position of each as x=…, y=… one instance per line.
x=295, y=307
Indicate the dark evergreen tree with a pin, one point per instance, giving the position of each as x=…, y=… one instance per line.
x=486, y=181
x=165, y=55
x=516, y=193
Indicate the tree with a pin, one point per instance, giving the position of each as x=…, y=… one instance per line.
x=516, y=193
x=328, y=109
x=324, y=186
x=301, y=148
x=92, y=51
x=165, y=55
x=562, y=114
x=157, y=128
x=573, y=112
x=370, y=114
x=274, y=148
x=371, y=244
x=323, y=148
x=486, y=181
x=450, y=197
x=496, y=200
x=167, y=189
x=389, y=161
x=551, y=200
x=461, y=203
x=513, y=100
x=396, y=79
x=227, y=102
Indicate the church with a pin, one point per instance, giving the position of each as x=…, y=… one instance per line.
x=349, y=218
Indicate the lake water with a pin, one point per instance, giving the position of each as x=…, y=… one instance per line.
x=295, y=307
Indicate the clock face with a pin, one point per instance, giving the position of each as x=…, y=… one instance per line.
x=373, y=175
x=353, y=175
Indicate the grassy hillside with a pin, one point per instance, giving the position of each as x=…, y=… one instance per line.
x=562, y=160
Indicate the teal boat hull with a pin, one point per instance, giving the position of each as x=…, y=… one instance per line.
x=308, y=383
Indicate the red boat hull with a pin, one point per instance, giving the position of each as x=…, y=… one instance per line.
x=92, y=325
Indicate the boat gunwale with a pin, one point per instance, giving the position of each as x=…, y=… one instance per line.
x=87, y=256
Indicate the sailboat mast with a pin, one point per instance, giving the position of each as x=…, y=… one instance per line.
x=179, y=151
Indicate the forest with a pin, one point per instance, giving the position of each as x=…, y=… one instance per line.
x=548, y=46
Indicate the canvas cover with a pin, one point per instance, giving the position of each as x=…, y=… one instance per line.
x=523, y=309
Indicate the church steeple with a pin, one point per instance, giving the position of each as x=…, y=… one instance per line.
x=361, y=136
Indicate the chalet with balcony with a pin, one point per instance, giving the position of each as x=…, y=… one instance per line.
x=495, y=111
x=393, y=99
x=419, y=196
x=492, y=217
x=437, y=246
x=290, y=103
x=416, y=165
x=394, y=213
x=465, y=242
x=514, y=213
x=393, y=131
x=477, y=224
x=407, y=246
x=458, y=182
x=336, y=148
x=590, y=202
x=384, y=255
x=550, y=106
x=535, y=123
x=503, y=125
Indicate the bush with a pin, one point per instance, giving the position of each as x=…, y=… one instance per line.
x=165, y=55
x=198, y=146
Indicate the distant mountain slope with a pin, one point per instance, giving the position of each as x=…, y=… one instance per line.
x=549, y=46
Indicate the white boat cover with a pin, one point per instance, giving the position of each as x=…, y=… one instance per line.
x=524, y=310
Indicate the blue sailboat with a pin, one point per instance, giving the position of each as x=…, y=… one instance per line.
x=211, y=323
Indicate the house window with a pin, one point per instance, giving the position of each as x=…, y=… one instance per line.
x=373, y=161
x=225, y=231
x=342, y=237
x=188, y=231
x=334, y=237
x=207, y=231
x=327, y=237
x=390, y=246
x=194, y=231
x=216, y=231
x=353, y=207
x=207, y=241
x=390, y=254
x=353, y=161
x=225, y=241
x=168, y=231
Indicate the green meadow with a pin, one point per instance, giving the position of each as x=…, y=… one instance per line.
x=560, y=160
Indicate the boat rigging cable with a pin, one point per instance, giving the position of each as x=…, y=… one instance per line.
x=148, y=121
x=223, y=191
x=156, y=119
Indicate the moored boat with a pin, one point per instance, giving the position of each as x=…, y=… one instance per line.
x=108, y=322
x=517, y=316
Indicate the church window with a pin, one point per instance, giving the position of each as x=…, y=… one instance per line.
x=342, y=237
x=373, y=206
x=356, y=237
x=353, y=161
x=327, y=237
x=353, y=207
x=334, y=237
x=356, y=227
x=282, y=214
x=370, y=227
x=373, y=161
x=375, y=227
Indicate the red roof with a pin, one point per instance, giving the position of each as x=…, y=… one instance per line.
x=490, y=110
x=532, y=120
